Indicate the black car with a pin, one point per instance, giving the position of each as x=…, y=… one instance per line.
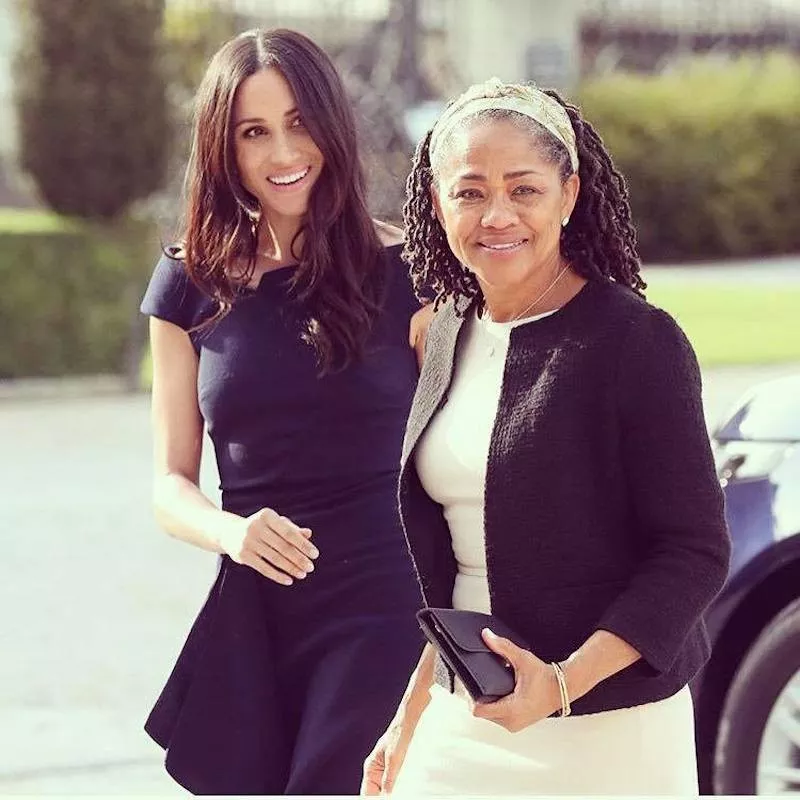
x=748, y=697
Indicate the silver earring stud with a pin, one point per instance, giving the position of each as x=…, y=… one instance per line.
x=564, y=222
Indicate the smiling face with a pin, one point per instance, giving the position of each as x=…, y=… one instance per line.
x=277, y=159
x=501, y=201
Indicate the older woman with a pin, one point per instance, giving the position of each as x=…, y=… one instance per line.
x=556, y=469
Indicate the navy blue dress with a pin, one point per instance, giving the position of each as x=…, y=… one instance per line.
x=284, y=690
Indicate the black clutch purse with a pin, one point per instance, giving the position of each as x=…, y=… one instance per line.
x=457, y=636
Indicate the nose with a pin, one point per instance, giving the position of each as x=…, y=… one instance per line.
x=499, y=213
x=284, y=152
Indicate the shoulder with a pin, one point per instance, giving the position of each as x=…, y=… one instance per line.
x=630, y=335
x=389, y=235
x=654, y=354
x=401, y=294
x=170, y=277
x=636, y=316
x=652, y=326
x=171, y=295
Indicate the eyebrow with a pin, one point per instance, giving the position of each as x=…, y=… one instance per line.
x=508, y=176
x=291, y=112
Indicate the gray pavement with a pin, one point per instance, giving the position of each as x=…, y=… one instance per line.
x=778, y=270
x=95, y=601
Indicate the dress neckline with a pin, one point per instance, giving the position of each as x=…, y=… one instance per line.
x=268, y=276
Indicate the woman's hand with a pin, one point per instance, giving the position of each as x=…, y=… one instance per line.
x=418, y=331
x=383, y=764
x=272, y=545
x=535, y=696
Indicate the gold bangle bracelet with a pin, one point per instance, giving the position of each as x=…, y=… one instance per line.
x=560, y=687
x=566, y=710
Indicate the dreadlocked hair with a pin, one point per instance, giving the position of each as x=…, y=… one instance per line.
x=600, y=240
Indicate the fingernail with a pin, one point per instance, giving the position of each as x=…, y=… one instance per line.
x=310, y=567
x=314, y=553
x=490, y=632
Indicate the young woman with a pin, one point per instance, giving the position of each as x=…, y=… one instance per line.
x=286, y=325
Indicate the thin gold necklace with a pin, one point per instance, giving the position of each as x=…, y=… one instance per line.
x=538, y=299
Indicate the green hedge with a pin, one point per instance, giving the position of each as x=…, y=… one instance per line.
x=711, y=153
x=68, y=295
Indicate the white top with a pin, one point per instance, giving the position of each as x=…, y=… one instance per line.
x=452, y=454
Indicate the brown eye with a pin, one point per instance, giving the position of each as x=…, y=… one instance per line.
x=251, y=133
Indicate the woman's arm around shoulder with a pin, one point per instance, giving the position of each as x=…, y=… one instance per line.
x=418, y=331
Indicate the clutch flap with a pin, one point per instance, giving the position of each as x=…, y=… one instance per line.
x=464, y=627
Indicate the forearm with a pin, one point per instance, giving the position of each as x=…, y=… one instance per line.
x=602, y=655
x=184, y=512
x=417, y=693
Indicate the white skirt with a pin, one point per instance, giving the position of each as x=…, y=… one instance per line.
x=644, y=750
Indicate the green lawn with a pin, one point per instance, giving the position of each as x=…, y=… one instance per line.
x=21, y=220
x=733, y=323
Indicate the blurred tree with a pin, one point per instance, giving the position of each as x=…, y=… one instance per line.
x=192, y=34
x=385, y=78
x=92, y=103
x=95, y=128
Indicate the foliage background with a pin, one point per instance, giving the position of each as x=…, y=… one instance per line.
x=709, y=149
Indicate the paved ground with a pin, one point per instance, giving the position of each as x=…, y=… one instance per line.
x=94, y=601
x=779, y=270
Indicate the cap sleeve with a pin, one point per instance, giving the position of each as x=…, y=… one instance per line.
x=405, y=297
x=173, y=297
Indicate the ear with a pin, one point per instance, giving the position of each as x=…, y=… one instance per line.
x=569, y=195
x=437, y=206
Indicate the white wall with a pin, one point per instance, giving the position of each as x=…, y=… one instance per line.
x=515, y=40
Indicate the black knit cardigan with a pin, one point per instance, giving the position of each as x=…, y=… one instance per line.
x=602, y=507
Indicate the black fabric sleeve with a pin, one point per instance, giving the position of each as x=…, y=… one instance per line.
x=677, y=503
x=400, y=277
x=172, y=296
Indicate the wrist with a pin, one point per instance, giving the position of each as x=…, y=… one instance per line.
x=579, y=682
x=230, y=533
x=414, y=705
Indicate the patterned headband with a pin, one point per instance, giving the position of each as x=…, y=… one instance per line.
x=494, y=94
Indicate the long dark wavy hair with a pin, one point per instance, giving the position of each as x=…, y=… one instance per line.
x=340, y=278
x=599, y=240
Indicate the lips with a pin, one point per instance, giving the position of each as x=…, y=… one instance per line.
x=501, y=247
x=289, y=178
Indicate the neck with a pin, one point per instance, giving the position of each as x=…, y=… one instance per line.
x=275, y=236
x=547, y=289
